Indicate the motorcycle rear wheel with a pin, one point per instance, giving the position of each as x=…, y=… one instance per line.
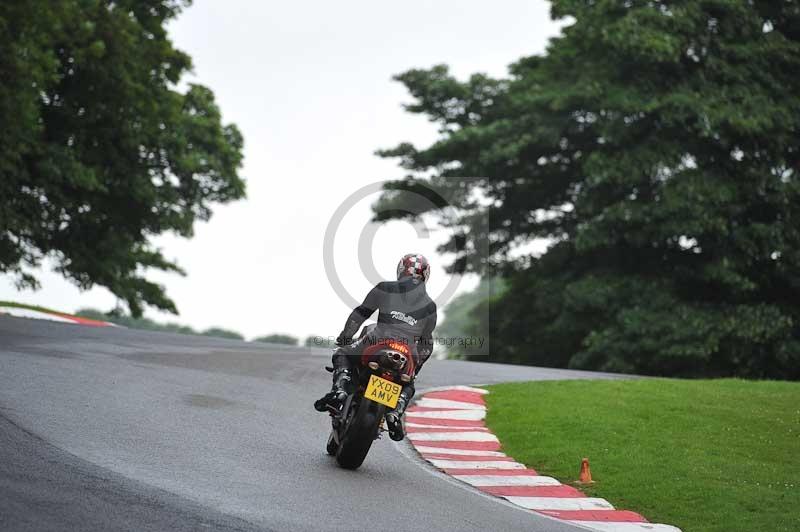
x=359, y=434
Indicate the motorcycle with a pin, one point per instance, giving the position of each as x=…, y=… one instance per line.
x=377, y=381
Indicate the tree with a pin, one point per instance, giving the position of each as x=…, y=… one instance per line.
x=99, y=151
x=462, y=318
x=657, y=146
x=277, y=339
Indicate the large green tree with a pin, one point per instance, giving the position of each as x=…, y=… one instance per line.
x=99, y=150
x=657, y=145
x=462, y=318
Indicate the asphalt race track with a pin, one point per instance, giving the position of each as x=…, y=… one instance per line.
x=116, y=429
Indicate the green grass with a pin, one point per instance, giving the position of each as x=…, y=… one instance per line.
x=30, y=307
x=711, y=455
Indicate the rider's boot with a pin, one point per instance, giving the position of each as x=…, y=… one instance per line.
x=394, y=420
x=335, y=398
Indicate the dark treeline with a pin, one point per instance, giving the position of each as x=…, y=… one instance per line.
x=656, y=145
x=278, y=338
x=152, y=325
x=126, y=320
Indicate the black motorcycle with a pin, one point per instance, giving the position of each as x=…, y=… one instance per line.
x=375, y=389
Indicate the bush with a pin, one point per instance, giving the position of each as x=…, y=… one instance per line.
x=219, y=332
x=277, y=338
x=134, y=323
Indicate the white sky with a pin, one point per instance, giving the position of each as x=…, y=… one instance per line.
x=309, y=85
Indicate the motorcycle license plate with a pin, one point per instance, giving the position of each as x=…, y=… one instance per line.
x=383, y=391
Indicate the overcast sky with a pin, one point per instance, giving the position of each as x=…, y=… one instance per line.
x=309, y=85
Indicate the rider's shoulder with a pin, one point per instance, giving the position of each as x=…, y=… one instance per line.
x=389, y=286
x=384, y=286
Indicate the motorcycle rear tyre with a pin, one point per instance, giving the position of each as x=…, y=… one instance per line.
x=359, y=434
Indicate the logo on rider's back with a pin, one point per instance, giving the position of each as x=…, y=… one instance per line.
x=396, y=314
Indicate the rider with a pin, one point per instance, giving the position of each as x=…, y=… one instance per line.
x=405, y=313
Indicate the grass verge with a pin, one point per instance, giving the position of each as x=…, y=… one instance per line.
x=31, y=307
x=704, y=455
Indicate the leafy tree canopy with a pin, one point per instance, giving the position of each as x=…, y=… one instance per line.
x=99, y=150
x=657, y=146
x=461, y=319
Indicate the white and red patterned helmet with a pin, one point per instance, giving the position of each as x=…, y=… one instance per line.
x=414, y=265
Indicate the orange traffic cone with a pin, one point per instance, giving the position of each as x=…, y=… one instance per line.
x=586, y=473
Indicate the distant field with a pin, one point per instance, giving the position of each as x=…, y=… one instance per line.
x=711, y=455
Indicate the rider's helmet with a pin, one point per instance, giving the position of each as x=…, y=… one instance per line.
x=414, y=265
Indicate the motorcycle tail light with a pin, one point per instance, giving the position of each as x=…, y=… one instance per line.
x=373, y=365
x=405, y=378
x=397, y=346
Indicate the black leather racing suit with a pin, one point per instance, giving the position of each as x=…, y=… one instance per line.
x=405, y=313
